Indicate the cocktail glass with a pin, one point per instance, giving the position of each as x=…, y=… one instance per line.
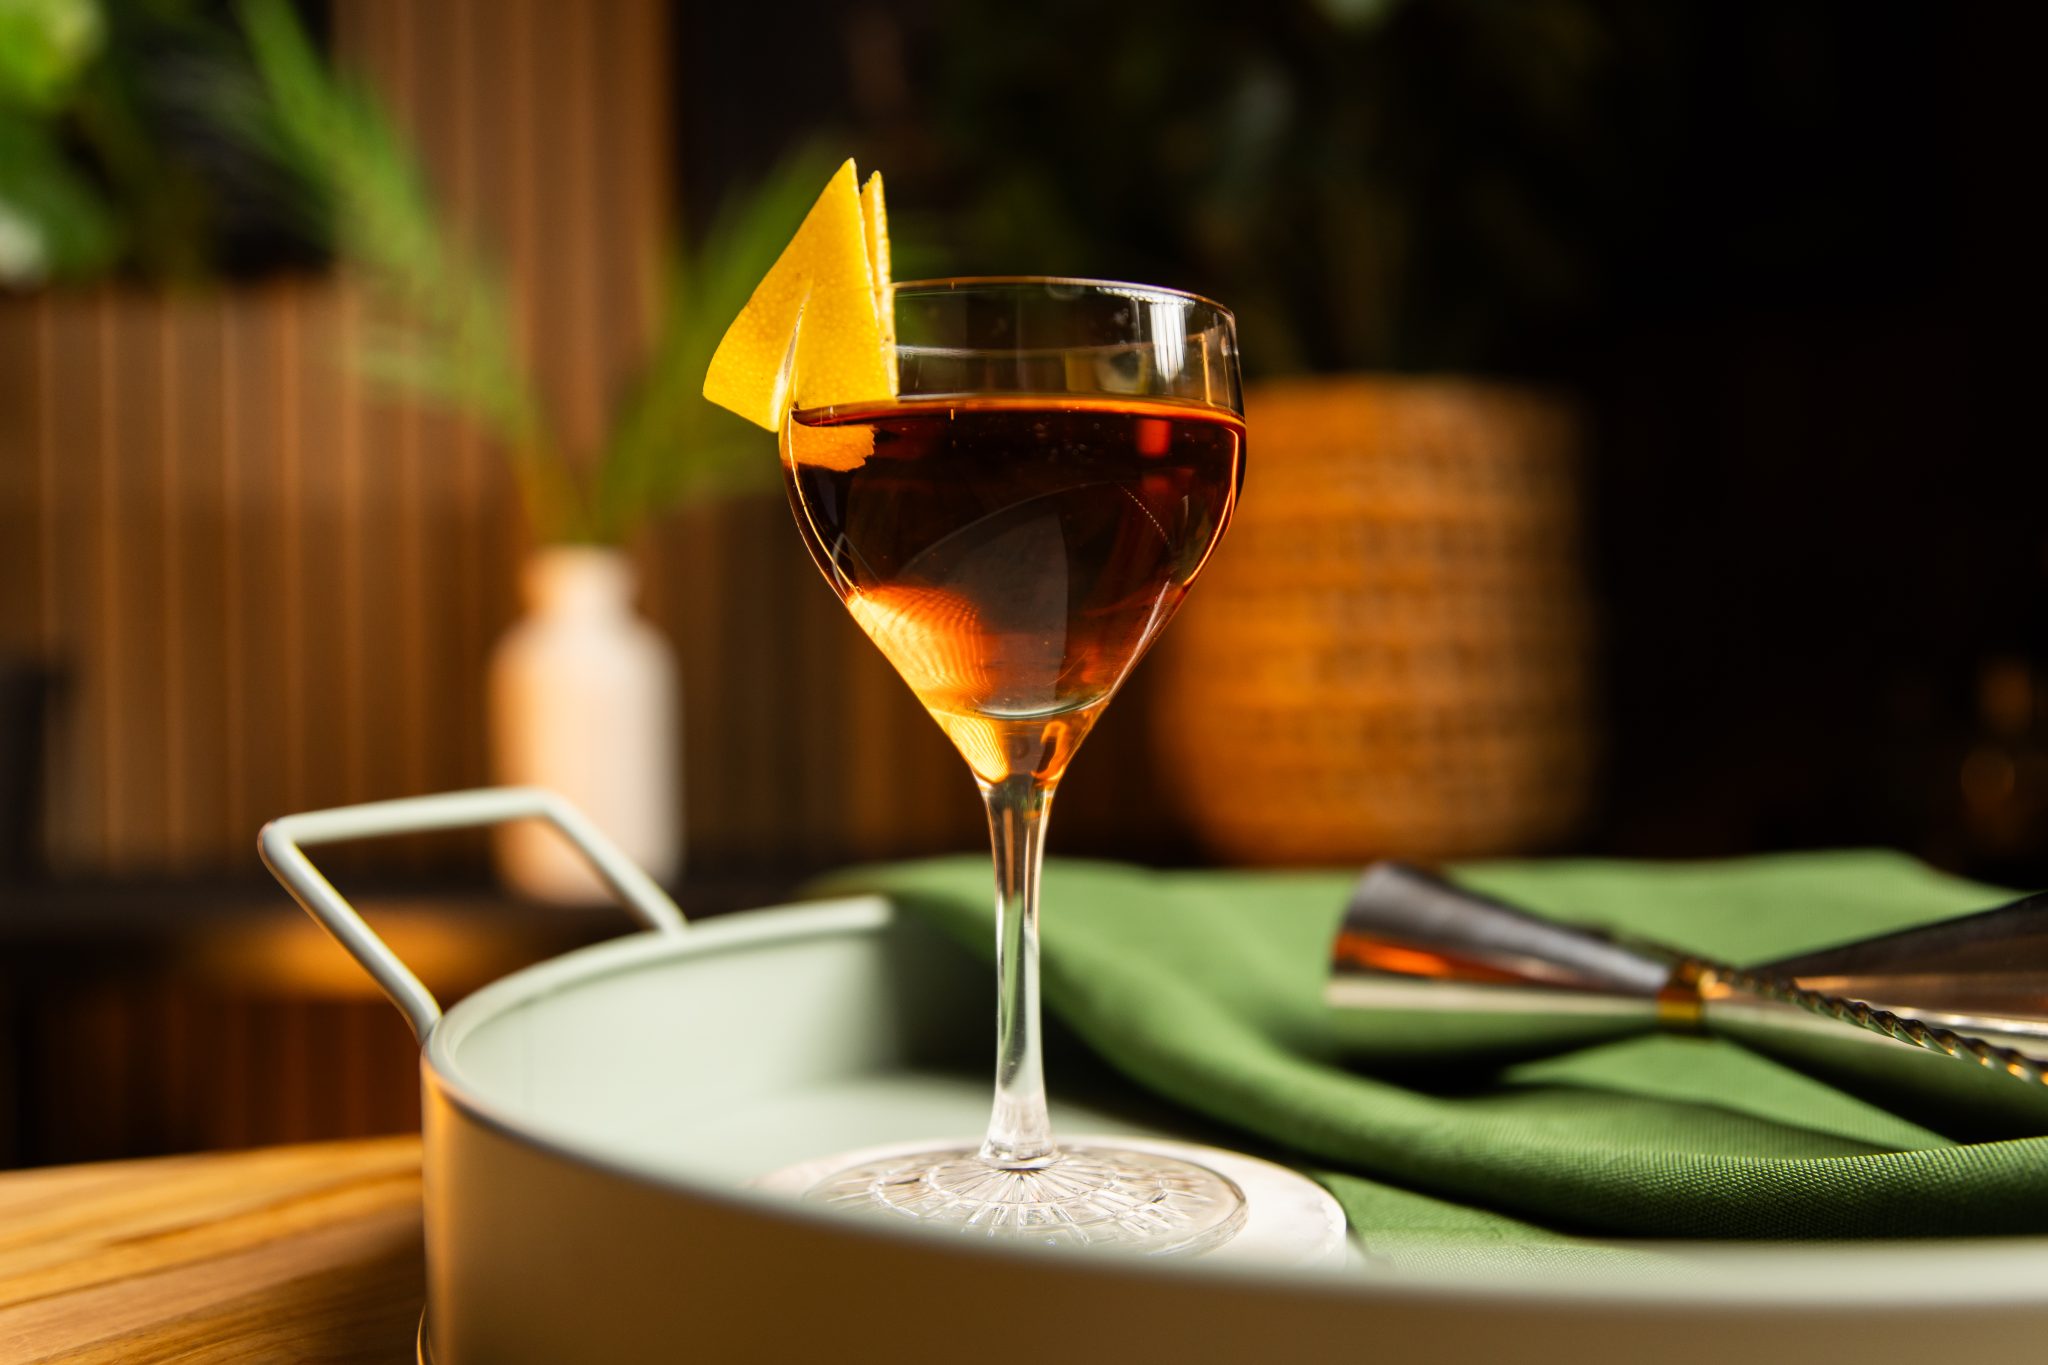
x=1013, y=530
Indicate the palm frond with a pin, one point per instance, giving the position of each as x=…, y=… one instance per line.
x=668, y=445
x=444, y=334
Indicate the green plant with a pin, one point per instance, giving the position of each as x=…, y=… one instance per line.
x=113, y=155
x=707, y=285
x=53, y=221
x=442, y=331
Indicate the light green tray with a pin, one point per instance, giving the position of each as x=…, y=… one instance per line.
x=591, y=1124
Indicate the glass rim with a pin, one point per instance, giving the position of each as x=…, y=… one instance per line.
x=942, y=284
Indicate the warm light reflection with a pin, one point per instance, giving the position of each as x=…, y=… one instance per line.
x=289, y=956
x=933, y=637
x=995, y=749
x=939, y=644
x=1384, y=955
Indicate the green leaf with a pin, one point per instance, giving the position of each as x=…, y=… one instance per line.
x=668, y=444
x=44, y=44
x=444, y=334
x=53, y=223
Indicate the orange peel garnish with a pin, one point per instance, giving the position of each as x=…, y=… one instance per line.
x=818, y=329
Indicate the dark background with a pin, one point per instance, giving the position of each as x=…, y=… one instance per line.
x=1777, y=250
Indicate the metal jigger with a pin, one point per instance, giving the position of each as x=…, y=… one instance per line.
x=1946, y=1024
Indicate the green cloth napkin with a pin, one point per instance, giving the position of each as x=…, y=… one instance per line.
x=1205, y=987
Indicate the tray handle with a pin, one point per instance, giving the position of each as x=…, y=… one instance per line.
x=282, y=844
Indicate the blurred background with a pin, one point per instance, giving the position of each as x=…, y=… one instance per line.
x=1642, y=460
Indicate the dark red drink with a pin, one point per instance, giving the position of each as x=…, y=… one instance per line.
x=1013, y=556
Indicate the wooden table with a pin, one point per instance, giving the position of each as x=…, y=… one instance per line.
x=286, y=1254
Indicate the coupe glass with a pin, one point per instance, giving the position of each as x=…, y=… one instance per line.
x=1013, y=530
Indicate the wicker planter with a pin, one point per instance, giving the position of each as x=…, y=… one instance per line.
x=1389, y=655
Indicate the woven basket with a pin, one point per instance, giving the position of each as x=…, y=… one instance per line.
x=1388, y=655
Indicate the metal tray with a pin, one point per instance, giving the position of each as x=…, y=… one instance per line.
x=591, y=1123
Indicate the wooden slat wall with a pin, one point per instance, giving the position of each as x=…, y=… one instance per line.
x=266, y=591
x=269, y=591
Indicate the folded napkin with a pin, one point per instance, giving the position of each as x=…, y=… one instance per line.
x=1206, y=988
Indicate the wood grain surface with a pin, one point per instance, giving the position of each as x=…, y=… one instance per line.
x=305, y=1254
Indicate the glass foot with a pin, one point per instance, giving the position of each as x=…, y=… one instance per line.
x=1144, y=1202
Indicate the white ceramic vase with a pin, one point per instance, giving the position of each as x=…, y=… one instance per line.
x=584, y=700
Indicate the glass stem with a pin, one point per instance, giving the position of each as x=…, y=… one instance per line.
x=1019, y=1133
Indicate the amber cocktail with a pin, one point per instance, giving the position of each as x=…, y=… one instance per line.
x=1013, y=529
x=1013, y=555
